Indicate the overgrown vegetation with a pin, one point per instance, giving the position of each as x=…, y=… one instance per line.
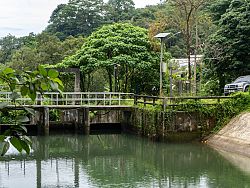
x=220, y=113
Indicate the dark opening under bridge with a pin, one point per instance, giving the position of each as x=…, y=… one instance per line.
x=77, y=106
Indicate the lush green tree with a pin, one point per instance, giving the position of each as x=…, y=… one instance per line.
x=119, y=10
x=124, y=52
x=8, y=45
x=44, y=49
x=218, y=8
x=227, y=53
x=76, y=17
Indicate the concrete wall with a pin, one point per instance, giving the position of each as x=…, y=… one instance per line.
x=170, y=126
x=234, y=137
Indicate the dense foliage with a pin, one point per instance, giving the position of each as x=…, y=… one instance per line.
x=23, y=84
x=227, y=52
x=123, y=53
x=33, y=50
x=216, y=28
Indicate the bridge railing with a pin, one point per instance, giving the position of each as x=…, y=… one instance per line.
x=173, y=102
x=74, y=98
x=108, y=99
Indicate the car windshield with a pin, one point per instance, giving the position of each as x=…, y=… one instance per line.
x=243, y=79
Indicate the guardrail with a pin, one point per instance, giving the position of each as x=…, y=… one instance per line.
x=165, y=102
x=74, y=98
x=107, y=99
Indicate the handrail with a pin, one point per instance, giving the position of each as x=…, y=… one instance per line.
x=104, y=99
x=173, y=101
x=74, y=98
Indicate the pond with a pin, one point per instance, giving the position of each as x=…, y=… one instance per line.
x=120, y=161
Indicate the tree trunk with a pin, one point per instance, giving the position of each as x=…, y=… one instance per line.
x=82, y=80
x=110, y=81
x=126, y=80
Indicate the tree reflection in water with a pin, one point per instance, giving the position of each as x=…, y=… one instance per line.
x=118, y=161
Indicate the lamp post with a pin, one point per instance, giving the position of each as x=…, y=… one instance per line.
x=161, y=36
x=171, y=78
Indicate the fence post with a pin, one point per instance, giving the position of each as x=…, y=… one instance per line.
x=135, y=99
x=145, y=100
x=154, y=101
x=119, y=99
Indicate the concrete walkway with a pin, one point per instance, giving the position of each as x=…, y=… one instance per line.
x=234, y=137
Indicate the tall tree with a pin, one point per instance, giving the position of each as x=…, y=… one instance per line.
x=184, y=14
x=8, y=45
x=76, y=17
x=218, y=8
x=227, y=52
x=120, y=10
x=124, y=53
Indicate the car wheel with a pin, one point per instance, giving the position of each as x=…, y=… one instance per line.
x=246, y=89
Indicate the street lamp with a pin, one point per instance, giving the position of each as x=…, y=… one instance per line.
x=161, y=36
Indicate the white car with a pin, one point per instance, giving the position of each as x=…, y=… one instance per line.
x=240, y=84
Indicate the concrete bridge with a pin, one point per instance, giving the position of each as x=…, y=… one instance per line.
x=85, y=108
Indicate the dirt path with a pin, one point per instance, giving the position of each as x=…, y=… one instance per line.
x=234, y=137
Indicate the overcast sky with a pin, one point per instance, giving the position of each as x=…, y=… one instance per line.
x=20, y=17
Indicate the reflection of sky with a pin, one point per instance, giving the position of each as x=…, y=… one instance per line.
x=54, y=173
x=20, y=17
x=23, y=173
x=61, y=173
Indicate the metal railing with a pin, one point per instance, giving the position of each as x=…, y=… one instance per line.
x=74, y=98
x=108, y=99
x=172, y=102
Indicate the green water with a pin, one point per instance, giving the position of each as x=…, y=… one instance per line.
x=121, y=161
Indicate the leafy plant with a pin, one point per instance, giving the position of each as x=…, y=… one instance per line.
x=23, y=84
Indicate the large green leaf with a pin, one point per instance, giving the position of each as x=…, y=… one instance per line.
x=30, y=110
x=24, y=90
x=32, y=95
x=44, y=86
x=25, y=146
x=8, y=70
x=53, y=73
x=16, y=143
x=5, y=148
x=58, y=81
x=22, y=119
x=42, y=71
x=27, y=139
x=23, y=128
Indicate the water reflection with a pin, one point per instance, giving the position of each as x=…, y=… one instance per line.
x=118, y=161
